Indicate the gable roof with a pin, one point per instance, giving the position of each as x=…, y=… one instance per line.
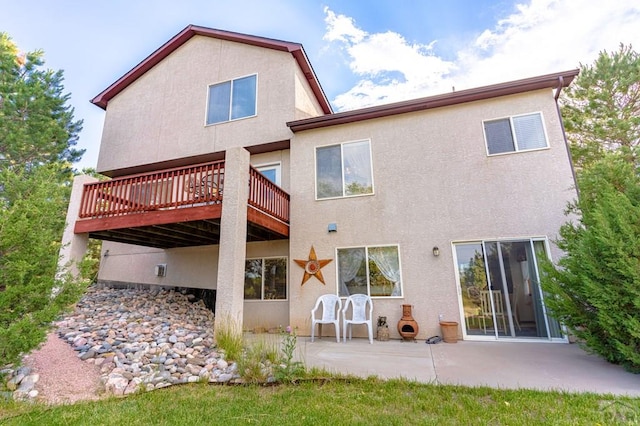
x=183, y=36
x=549, y=81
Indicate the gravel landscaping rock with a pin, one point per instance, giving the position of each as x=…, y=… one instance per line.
x=138, y=339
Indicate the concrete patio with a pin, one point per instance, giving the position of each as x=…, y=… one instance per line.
x=535, y=365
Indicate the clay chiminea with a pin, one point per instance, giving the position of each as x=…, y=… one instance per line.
x=407, y=326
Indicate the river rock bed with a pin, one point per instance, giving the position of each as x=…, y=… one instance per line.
x=144, y=339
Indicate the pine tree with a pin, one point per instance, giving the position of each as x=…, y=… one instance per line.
x=601, y=109
x=30, y=231
x=36, y=123
x=37, y=138
x=596, y=285
x=595, y=288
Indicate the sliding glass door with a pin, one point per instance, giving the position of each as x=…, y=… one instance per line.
x=499, y=283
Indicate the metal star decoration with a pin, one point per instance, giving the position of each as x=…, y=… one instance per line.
x=312, y=266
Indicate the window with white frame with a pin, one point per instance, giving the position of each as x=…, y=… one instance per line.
x=232, y=100
x=271, y=172
x=265, y=278
x=513, y=134
x=344, y=170
x=371, y=270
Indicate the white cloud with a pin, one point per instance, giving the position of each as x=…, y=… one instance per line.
x=390, y=68
x=342, y=28
x=547, y=36
x=540, y=37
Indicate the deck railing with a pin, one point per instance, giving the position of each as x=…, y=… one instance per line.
x=161, y=190
x=268, y=197
x=176, y=188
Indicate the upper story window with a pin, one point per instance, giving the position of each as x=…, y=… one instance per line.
x=344, y=170
x=513, y=134
x=232, y=100
x=271, y=172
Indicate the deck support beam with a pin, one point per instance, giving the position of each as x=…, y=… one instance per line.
x=74, y=246
x=233, y=241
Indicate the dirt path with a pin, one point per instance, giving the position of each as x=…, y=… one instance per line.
x=64, y=378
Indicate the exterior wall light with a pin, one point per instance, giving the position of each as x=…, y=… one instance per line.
x=436, y=251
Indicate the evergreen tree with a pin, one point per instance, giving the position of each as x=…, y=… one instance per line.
x=36, y=124
x=595, y=288
x=37, y=136
x=30, y=231
x=596, y=285
x=601, y=109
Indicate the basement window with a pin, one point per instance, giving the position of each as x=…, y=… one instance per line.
x=265, y=278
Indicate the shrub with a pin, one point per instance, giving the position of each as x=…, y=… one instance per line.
x=32, y=213
x=596, y=287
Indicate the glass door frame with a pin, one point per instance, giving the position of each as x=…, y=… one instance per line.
x=495, y=336
x=501, y=286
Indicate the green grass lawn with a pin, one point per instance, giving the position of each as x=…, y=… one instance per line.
x=334, y=401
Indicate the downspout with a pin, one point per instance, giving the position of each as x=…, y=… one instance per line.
x=560, y=86
x=564, y=135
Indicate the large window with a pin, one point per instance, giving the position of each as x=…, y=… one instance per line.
x=512, y=134
x=232, y=100
x=369, y=270
x=265, y=279
x=344, y=170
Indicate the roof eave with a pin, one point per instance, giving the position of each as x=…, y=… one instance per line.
x=183, y=36
x=550, y=81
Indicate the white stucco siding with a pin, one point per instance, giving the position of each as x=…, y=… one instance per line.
x=434, y=184
x=307, y=104
x=195, y=267
x=161, y=116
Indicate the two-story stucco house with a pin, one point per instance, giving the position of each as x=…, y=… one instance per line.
x=229, y=171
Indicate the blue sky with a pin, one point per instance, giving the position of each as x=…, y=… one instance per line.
x=364, y=52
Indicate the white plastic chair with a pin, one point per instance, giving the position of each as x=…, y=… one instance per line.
x=361, y=313
x=331, y=306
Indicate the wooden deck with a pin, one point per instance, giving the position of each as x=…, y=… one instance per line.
x=178, y=207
